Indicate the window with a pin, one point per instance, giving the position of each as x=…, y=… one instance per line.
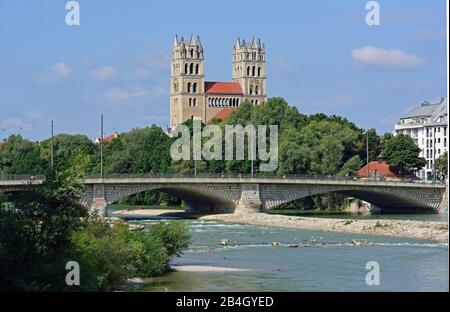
x=194, y=87
x=196, y=69
x=191, y=68
x=259, y=71
x=253, y=71
x=188, y=87
x=256, y=90
x=186, y=68
x=248, y=71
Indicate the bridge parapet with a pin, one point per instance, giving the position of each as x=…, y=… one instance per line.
x=213, y=193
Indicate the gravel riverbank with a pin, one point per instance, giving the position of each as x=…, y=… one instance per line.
x=436, y=231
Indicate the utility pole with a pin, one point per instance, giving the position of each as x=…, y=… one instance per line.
x=367, y=154
x=51, y=145
x=251, y=146
x=434, y=155
x=101, y=147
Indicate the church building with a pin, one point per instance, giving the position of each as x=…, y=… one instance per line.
x=193, y=97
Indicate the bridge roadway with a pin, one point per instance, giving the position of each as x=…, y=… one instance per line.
x=212, y=193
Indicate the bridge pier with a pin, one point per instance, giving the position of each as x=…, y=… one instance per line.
x=99, y=203
x=250, y=201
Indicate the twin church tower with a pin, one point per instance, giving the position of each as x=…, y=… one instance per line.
x=193, y=97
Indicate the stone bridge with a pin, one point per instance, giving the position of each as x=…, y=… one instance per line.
x=253, y=194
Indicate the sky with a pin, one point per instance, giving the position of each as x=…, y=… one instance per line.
x=321, y=57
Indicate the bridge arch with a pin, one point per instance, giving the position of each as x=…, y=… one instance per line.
x=198, y=197
x=386, y=198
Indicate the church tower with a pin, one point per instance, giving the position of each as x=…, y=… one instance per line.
x=187, y=81
x=249, y=69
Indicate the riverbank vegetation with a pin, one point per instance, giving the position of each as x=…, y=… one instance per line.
x=41, y=230
x=316, y=144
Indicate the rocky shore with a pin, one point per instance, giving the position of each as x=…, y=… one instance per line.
x=436, y=231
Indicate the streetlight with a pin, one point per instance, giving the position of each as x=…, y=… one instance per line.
x=51, y=145
x=101, y=146
x=367, y=153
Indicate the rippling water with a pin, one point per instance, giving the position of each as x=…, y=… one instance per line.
x=322, y=262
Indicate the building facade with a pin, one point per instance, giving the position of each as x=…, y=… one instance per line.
x=427, y=124
x=193, y=97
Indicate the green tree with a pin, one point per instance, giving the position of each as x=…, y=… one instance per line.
x=441, y=164
x=35, y=230
x=351, y=166
x=20, y=156
x=400, y=151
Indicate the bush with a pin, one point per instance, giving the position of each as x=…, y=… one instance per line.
x=109, y=255
x=174, y=235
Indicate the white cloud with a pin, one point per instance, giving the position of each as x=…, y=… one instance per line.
x=117, y=95
x=340, y=100
x=61, y=70
x=141, y=72
x=280, y=63
x=160, y=91
x=393, y=58
x=33, y=115
x=13, y=122
x=429, y=35
x=103, y=73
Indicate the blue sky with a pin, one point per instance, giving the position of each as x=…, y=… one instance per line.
x=321, y=57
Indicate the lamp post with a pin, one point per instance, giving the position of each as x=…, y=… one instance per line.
x=51, y=146
x=101, y=146
x=367, y=154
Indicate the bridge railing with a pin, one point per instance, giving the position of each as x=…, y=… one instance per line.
x=17, y=177
x=21, y=177
x=255, y=176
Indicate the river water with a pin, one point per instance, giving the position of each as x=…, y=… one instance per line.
x=323, y=261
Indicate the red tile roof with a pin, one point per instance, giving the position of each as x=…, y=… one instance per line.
x=108, y=138
x=212, y=87
x=380, y=168
x=224, y=113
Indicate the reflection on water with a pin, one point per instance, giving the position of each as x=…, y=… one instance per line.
x=322, y=261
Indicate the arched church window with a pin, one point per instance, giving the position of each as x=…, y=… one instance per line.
x=248, y=71
x=192, y=52
x=189, y=87
x=256, y=90
x=186, y=68
x=194, y=87
x=253, y=71
x=196, y=69
x=259, y=71
x=191, y=68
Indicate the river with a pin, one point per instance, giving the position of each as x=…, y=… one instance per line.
x=323, y=261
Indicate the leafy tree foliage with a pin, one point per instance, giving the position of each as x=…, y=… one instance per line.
x=400, y=151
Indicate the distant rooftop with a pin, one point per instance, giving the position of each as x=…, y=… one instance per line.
x=213, y=87
x=427, y=109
